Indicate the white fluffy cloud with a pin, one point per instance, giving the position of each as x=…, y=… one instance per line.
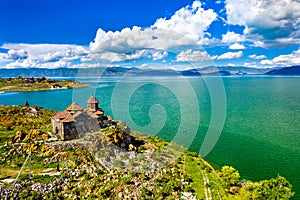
x=104, y=57
x=193, y=56
x=185, y=28
x=159, y=55
x=38, y=51
x=232, y=37
x=117, y=57
x=257, y=57
x=42, y=55
x=29, y=63
x=129, y=40
x=268, y=19
x=252, y=65
x=17, y=54
x=236, y=46
x=190, y=21
x=56, y=55
x=89, y=65
x=230, y=55
x=284, y=60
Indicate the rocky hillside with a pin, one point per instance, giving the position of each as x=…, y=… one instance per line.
x=111, y=164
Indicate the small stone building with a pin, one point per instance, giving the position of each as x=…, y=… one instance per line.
x=75, y=121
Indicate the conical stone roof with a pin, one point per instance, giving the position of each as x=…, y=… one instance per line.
x=74, y=107
x=92, y=99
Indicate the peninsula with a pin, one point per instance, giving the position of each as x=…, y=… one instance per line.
x=37, y=84
x=109, y=163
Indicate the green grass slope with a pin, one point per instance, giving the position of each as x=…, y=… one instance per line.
x=110, y=164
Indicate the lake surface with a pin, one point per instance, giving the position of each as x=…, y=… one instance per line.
x=261, y=133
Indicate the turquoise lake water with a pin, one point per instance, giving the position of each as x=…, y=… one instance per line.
x=261, y=133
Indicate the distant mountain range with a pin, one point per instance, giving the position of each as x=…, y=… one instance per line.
x=120, y=71
x=294, y=70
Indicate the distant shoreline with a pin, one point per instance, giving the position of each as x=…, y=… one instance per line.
x=23, y=84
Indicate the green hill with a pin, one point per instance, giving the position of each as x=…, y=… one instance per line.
x=110, y=164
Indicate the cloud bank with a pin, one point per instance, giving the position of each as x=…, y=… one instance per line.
x=193, y=56
x=284, y=60
x=186, y=27
x=274, y=22
x=231, y=36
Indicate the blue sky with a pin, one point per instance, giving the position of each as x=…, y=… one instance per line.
x=150, y=34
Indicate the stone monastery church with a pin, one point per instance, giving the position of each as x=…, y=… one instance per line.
x=75, y=121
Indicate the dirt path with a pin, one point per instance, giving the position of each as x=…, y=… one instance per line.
x=206, y=187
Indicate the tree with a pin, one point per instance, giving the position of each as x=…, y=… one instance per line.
x=230, y=178
x=26, y=103
x=275, y=188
